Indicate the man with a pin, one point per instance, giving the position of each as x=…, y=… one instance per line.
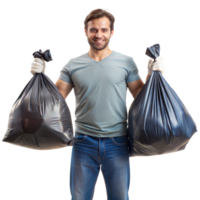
x=100, y=79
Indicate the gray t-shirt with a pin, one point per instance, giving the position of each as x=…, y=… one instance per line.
x=100, y=91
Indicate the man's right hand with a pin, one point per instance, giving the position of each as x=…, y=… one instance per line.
x=38, y=66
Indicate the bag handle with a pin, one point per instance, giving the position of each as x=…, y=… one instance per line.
x=46, y=55
x=153, y=51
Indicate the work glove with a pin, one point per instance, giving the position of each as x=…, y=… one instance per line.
x=158, y=65
x=38, y=66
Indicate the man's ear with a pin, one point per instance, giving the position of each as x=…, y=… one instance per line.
x=84, y=31
x=113, y=33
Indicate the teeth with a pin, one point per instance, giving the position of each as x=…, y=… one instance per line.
x=98, y=40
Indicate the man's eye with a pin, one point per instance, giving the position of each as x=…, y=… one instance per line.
x=95, y=30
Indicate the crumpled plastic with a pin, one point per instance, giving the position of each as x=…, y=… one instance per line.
x=158, y=121
x=40, y=118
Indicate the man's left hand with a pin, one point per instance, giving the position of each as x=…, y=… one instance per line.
x=160, y=65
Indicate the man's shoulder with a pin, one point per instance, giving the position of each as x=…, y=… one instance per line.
x=123, y=55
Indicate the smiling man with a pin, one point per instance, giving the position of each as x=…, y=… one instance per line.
x=100, y=79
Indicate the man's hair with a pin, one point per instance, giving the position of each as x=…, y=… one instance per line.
x=98, y=13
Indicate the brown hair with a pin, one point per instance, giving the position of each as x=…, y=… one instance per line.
x=98, y=13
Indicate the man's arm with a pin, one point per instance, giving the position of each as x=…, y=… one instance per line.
x=147, y=77
x=135, y=86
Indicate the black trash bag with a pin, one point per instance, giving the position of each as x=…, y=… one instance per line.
x=158, y=122
x=40, y=118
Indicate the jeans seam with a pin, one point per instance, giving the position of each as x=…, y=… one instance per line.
x=80, y=140
x=104, y=149
x=118, y=143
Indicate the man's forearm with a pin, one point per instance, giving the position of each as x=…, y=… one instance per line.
x=147, y=77
x=141, y=87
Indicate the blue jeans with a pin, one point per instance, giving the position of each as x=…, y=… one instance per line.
x=88, y=153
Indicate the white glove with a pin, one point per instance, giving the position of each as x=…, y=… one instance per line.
x=38, y=66
x=149, y=67
x=158, y=65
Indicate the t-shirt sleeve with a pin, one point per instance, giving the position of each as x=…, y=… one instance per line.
x=65, y=74
x=133, y=73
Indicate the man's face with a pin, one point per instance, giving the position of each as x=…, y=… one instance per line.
x=98, y=33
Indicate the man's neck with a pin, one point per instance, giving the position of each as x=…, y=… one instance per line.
x=99, y=55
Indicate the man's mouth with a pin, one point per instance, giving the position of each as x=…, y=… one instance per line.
x=98, y=41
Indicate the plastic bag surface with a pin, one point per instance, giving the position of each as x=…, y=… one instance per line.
x=40, y=118
x=158, y=121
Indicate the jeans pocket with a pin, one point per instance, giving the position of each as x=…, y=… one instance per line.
x=80, y=138
x=120, y=140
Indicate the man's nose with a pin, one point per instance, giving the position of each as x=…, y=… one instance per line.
x=98, y=35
